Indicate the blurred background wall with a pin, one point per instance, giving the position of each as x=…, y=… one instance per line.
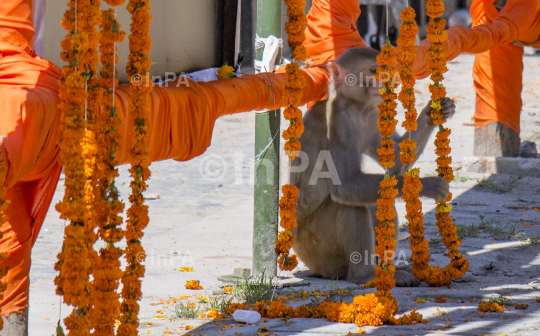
x=191, y=35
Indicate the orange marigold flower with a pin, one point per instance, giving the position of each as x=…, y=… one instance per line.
x=287, y=262
x=434, y=8
x=284, y=242
x=193, y=284
x=292, y=113
x=490, y=307
x=295, y=130
x=292, y=148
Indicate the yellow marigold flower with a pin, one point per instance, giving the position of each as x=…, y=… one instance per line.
x=193, y=284
x=226, y=72
x=435, y=104
x=413, y=172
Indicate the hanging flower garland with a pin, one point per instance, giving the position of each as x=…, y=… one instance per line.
x=292, y=96
x=406, y=54
x=107, y=272
x=384, y=272
x=411, y=180
x=75, y=259
x=138, y=65
x=90, y=19
x=3, y=219
x=437, y=67
x=287, y=213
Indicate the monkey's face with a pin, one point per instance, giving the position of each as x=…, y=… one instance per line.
x=365, y=89
x=371, y=84
x=356, y=77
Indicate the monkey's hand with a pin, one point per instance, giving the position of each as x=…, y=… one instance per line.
x=448, y=109
x=435, y=187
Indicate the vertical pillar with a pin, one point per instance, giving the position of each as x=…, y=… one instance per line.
x=267, y=135
x=230, y=18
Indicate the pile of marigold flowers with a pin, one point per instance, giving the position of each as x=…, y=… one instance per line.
x=490, y=307
x=193, y=284
x=363, y=311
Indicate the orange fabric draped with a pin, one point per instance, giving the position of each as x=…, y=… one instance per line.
x=332, y=29
x=17, y=22
x=181, y=125
x=184, y=112
x=498, y=65
x=518, y=20
x=498, y=73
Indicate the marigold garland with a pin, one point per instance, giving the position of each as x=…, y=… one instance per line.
x=287, y=213
x=77, y=154
x=292, y=96
x=4, y=203
x=384, y=272
x=107, y=272
x=406, y=55
x=387, y=109
x=139, y=64
x=432, y=275
x=90, y=20
x=411, y=180
x=437, y=67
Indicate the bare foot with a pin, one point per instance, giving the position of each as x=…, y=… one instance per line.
x=405, y=278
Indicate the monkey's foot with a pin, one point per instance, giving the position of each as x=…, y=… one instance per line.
x=405, y=278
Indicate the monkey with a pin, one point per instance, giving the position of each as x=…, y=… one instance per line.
x=336, y=212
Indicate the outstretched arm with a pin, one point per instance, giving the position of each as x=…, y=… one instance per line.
x=518, y=20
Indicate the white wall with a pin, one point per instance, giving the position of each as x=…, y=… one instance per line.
x=183, y=31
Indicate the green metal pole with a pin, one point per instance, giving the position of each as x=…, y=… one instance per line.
x=267, y=135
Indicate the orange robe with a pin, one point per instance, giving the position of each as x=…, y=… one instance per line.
x=498, y=64
x=181, y=123
x=498, y=72
x=331, y=29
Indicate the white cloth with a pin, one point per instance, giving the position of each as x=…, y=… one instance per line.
x=39, y=25
x=271, y=46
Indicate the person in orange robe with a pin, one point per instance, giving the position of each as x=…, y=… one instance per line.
x=182, y=119
x=331, y=30
x=498, y=65
x=498, y=72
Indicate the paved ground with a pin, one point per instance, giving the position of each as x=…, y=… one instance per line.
x=203, y=219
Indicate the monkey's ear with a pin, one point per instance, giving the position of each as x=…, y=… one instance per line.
x=335, y=72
